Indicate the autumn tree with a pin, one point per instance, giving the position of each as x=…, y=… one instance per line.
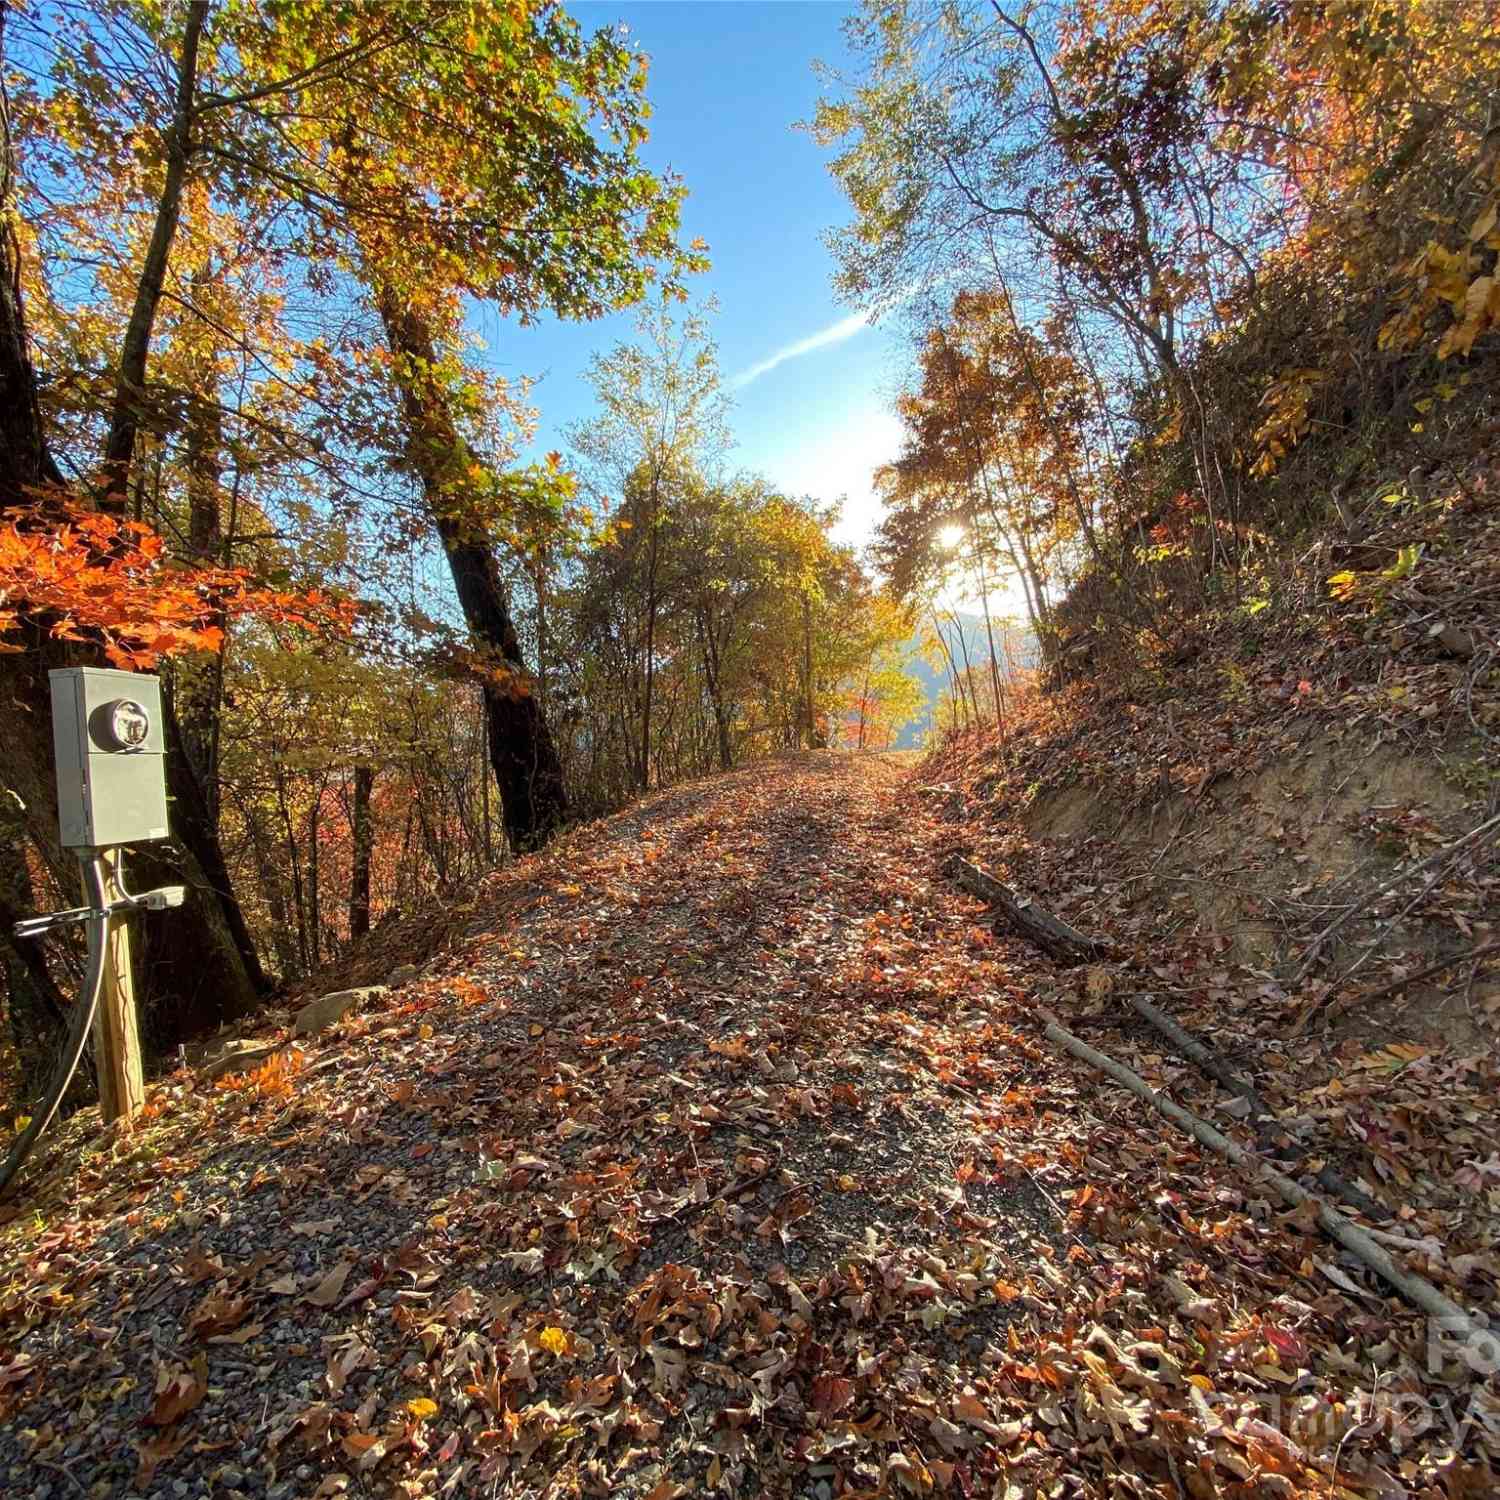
x=660, y=427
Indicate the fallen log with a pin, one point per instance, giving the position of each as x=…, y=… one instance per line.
x=1025, y=918
x=1191, y=1047
x=1417, y=1290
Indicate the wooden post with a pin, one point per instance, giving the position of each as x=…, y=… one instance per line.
x=117, y=1041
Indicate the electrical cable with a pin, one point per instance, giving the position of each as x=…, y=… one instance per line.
x=94, y=878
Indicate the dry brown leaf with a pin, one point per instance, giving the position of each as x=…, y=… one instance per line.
x=217, y=1314
x=154, y=1452
x=178, y=1391
x=326, y=1292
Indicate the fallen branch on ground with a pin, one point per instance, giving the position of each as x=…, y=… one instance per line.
x=1484, y=950
x=1417, y=1290
x=1401, y=876
x=1262, y=1117
x=1024, y=917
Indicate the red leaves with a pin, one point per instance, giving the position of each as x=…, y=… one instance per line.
x=86, y=576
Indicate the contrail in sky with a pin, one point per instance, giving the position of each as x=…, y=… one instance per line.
x=835, y=333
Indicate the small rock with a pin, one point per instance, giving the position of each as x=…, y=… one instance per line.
x=236, y=1056
x=1454, y=641
x=323, y=1012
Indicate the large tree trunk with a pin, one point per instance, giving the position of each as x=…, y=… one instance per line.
x=199, y=965
x=527, y=767
x=36, y=1010
x=27, y=795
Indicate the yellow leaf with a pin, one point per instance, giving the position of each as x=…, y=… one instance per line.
x=554, y=1341
x=422, y=1408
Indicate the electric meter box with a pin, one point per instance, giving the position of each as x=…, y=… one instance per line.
x=111, y=757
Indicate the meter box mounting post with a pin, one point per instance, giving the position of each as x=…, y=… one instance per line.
x=111, y=757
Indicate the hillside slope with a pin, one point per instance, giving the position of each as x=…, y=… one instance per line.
x=722, y=1156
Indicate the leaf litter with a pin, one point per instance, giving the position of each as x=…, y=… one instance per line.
x=723, y=1155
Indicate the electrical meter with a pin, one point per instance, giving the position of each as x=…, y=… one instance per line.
x=108, y=737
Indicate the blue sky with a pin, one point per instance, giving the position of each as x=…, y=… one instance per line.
x=812, y=384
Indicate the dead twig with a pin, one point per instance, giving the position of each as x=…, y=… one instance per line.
x=1385, y=927
x=1399, y=878
x=1484, y=950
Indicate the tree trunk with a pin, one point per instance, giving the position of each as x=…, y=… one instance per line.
x=963, y=641
x=651, y=606
x=24, y=460
x=314, y=895
x=484, y=783
x=807, y=673
x=528, y=770
x=270, y=882
x=199, y=965
x=364, y=844
x=710, y=651
x=198, y=685
x=989, y=633
x=36, y=1009
x=130, y=383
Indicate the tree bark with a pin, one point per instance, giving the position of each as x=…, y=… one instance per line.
x=653, y=557
x=364, y=845
x=200, y=967
x=130, y=383
x=807, y=674
x=36, y=1008
x=710, y=649
x=528, y=770
x=1049, y=933
x=196, y=700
